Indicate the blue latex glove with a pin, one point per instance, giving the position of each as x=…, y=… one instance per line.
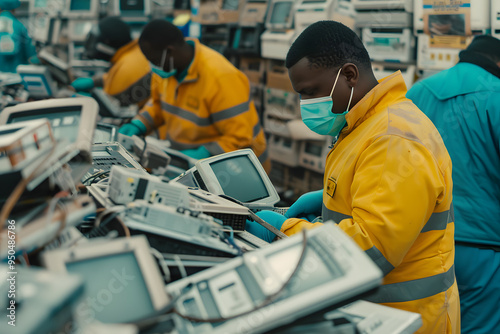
x=197, y=153
x=260, y=231
x=133, y=128
x=308, y=205
x=82, y=84
x=34, y=60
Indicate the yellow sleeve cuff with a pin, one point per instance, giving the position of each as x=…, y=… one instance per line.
x=295, y=225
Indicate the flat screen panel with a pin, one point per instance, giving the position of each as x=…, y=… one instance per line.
x=281, y=12
x=239, y=179
x=80, y=5
x=115, y=287
x=65, y=121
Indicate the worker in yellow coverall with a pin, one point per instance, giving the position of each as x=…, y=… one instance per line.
x=387, y=181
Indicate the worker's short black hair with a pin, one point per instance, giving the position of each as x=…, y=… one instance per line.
x=328, y=44
x=160, y=33
x=487, y=46
x=114, y=32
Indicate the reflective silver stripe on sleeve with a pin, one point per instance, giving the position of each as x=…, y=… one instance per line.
x=231, y=112
x=415, y=289
x=180, y=146
x=439, y=220
x=148, y=118
x=379, y=260
x=333, y=215
x=256, y=130
x=185, y=114
x=214, y=148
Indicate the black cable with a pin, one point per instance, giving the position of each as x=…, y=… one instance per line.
x=94, y=176
x=266, y=302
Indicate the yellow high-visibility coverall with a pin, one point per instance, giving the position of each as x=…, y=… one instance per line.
x=388, y=185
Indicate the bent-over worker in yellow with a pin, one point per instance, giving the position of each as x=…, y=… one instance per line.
x=199, y=101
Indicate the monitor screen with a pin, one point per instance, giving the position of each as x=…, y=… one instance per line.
x=239, y=179
x=102, y=134
x=115, y=287
x=65, y=121
x=281, y=12
x=40, y=4
x=81, y=28
x=132, y=5
x=80, y=5
x=230, y=4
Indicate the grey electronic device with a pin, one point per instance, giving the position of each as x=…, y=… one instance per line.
x=373, y=5
x=60, y=70
x=44, y=26
x=373, y=318
x=313, y=154
x=37, y=81
x=127, y=185
x=358, y=317
x=230, y=213
x=249, y=241
x=24, y=146
x=122, y=280
x=46, y=224
x=73, y=122
x=105, y=133
x=278, y=284
x=107, y=155
x=237, y=174
x=177, y=230
x=280, y=14
x=191, y=264
x=110, y=107
x=44, y=301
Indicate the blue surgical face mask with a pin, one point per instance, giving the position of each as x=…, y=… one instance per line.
x=159, y=69
x=318, y=116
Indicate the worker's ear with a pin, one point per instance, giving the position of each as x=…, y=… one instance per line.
x=498, y=64
x=351, y=72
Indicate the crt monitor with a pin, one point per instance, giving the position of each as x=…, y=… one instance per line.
x=37, y=81
x=81, y=9
x=79, y=29
x=72, y=120
x=122, y=281
x=105, y=133
x=280, y=15
x=239, y=175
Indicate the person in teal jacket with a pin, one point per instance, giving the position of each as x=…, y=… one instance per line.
x=16, y=46
x=464, y=104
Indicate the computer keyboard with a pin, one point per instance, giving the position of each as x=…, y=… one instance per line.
x=281, y=210
x=254, y=241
